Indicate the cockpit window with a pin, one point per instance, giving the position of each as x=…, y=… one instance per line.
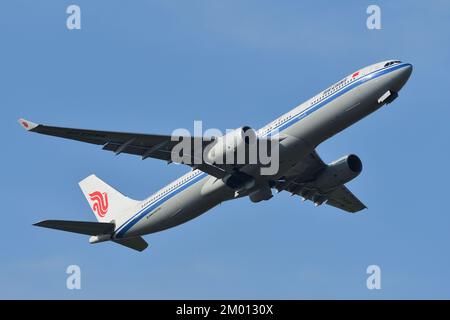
x=390, y=63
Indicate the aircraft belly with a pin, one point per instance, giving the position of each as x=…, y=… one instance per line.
x=183, y=207
x=304, y=136
x=341, y=112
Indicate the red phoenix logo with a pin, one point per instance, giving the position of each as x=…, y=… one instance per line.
x=100, y=205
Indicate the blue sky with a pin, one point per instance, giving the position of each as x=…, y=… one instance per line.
x=153, y=66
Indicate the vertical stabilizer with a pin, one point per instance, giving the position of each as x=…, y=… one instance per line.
x=106, y=203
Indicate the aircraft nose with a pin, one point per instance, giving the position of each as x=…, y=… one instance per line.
x=407, y=71
x=403, y=76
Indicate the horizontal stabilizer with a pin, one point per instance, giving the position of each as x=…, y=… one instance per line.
x=83, y=227
x=136, y=243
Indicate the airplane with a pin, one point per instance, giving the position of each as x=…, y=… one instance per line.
x=301, y=171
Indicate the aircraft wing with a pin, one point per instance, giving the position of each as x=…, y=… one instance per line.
x=300, y=182
x=344, y=199
x=143, y=145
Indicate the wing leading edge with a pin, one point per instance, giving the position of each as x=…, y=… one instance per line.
x=160, y=147
x=143, y=145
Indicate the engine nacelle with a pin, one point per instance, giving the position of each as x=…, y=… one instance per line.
x=225, y=148
x=262, y=194
x=339, y=172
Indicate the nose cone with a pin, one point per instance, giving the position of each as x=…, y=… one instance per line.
x=402, y=76
x=406, y=72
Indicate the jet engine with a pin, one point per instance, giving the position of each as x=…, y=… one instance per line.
x=262, y=194
x=339, y=172
x=226, y=147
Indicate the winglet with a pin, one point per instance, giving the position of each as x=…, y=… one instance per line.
x=27, y=125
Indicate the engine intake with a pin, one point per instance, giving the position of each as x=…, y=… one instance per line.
x=339, y=172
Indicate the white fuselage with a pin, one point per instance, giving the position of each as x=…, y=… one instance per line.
x=303, y=128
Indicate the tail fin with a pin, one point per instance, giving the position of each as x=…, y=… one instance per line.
x=107, y=203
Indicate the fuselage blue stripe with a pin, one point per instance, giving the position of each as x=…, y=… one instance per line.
x=143, y=212
x=301, y=115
